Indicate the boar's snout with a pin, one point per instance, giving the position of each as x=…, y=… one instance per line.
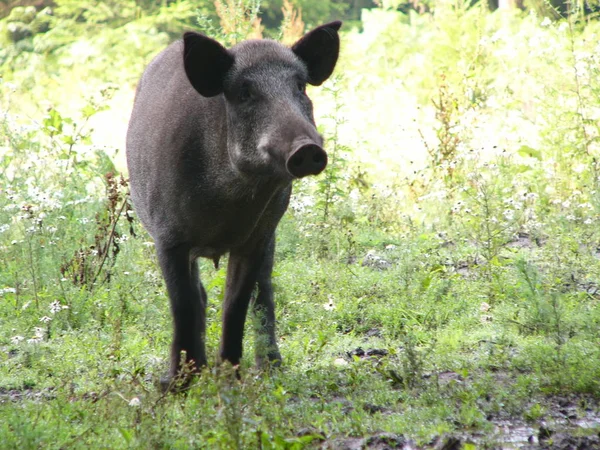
x=308, y=159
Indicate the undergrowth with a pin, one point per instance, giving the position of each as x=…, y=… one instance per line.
x=444, y=273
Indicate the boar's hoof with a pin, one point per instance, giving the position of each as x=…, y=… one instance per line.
x=180, y=383
x=268, y=362
x=310, y=159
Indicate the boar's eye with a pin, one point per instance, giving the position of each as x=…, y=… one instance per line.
x=301, y=85
x=244, y=94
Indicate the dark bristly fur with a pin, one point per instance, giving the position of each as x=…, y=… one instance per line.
x=215, y=140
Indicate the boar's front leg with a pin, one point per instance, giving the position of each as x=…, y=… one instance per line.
x=264, y=313
x=242, y=272
x=188, y=305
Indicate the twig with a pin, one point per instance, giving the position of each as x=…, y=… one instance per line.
x=111, y=237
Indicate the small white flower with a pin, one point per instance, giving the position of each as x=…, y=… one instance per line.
x=531, y=196
x=135, y=401
x=571, y=217
x=55, y=307
x=546, y=22
x=340, y=362
x=16, y=339
x=587, y=221
x=329, y=306
x=45, y=319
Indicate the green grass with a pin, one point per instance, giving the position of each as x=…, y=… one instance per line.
x=443, y=277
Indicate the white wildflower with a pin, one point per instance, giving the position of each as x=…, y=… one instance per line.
x=16, y=339
x=531, y=196
x=329, y=306
x=135, y=401
x=56, y=306
x=38, y=336
x=45, y=319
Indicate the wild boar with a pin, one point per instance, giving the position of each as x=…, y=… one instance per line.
x=215, y=140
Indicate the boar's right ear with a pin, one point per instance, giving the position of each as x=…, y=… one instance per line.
x=319, y=49
x=206, y=63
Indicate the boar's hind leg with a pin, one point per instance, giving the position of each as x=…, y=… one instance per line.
x=188, y=304
x=264, y=313
x=242, y=273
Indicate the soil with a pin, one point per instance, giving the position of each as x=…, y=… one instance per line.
x=564, y=428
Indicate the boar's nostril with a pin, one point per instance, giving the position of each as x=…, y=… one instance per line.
x=309, y=159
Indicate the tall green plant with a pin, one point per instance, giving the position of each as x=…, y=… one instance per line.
x=238, y=20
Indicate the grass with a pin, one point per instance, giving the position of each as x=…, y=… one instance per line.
x=441, y=280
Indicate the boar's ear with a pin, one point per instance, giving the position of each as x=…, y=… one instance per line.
x=206, y=63
x=319, y=50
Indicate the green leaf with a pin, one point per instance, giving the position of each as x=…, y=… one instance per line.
x=69, y=140
x=527, y=151
x=127, y=435
x=88, y=111
x=53, y=123
x=105, y=164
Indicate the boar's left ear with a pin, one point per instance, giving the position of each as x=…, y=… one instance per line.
x=206, y=63
x=319, y=50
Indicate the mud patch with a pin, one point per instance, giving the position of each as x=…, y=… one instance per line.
x=18, y=395
x=569, y=423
